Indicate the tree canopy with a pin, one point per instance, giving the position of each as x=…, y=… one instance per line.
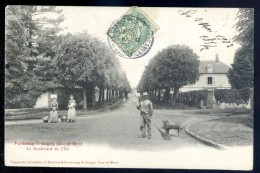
x=41, y=59
x=245, y=27
x=171, y=68
x=29, y=36
x=241, y=75
x=81, y=60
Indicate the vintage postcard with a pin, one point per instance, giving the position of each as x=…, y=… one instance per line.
x=129, y=87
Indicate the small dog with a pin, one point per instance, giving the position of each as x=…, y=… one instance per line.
x=168, y=127
x=45, y=119
x=63, y=119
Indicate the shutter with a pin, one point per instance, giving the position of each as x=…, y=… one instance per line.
x=206, y=80
x=213, y=80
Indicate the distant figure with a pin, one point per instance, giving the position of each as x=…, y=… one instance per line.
x=54, y=111
x=146, y=110
x=72, y=111
x=124, y=99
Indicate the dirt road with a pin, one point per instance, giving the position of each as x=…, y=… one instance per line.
x=118, y=128
x=114, y=136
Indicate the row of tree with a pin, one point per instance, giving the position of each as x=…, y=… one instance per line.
x=171, y=68
x=38, y=59
x=86, y=62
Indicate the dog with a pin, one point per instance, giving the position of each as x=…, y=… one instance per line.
x=63, y=119
x=45, y=119
x=167, y=126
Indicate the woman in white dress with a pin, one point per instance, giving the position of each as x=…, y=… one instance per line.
x=54, y=111
x=124, y=100
x=72, y=111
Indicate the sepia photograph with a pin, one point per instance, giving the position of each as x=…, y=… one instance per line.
x=129, y=87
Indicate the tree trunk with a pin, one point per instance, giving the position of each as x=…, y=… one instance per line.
x=100, y=95
x=103, y=95
x=109, y=95
x=171, y=95
x=164, y=95
x=175, y=95
x=159, y=94
x=93, y=97
x=167, y=94
x=117, y=94
x=106, y=94
x=113, y=94
x=84, y=99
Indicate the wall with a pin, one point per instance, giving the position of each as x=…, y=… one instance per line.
x=62, y=98
x=220, y=81
x=42, y=101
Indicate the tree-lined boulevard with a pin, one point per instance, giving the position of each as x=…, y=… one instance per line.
x=118, y=128
x=40, y=59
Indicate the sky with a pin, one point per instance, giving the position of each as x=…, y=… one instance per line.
x=174, y=28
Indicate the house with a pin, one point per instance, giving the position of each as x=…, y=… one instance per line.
x=213, y=75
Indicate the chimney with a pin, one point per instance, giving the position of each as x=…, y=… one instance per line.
x=217, y=58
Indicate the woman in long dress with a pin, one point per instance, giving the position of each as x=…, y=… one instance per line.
x=54, y=111
x=72, y=111
x=124, y=100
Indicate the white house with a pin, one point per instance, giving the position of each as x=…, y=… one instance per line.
x=213, y=75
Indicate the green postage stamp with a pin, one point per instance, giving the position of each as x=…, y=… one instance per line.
x=132, y=35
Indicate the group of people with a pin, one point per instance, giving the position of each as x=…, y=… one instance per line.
x=71, y=116
x=145, y=106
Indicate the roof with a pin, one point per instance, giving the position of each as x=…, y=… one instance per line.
x=217, y=67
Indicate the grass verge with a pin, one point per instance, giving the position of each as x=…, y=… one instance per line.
x=30, y=113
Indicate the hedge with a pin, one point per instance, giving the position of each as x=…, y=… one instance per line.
x=192, y=97
x=232, y=95
x=221, y=95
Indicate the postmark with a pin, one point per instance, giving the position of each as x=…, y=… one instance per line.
x=132, y=35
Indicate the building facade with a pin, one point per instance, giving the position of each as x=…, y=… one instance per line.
x=213, y=75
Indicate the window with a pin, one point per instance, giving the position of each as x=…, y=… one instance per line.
x=210, y=80
x=208, y=68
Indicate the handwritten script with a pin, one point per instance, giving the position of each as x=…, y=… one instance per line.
x=207, y=41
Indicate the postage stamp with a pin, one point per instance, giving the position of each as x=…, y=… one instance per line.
x=132, y=35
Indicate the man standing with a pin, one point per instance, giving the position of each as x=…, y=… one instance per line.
x=146, y=108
